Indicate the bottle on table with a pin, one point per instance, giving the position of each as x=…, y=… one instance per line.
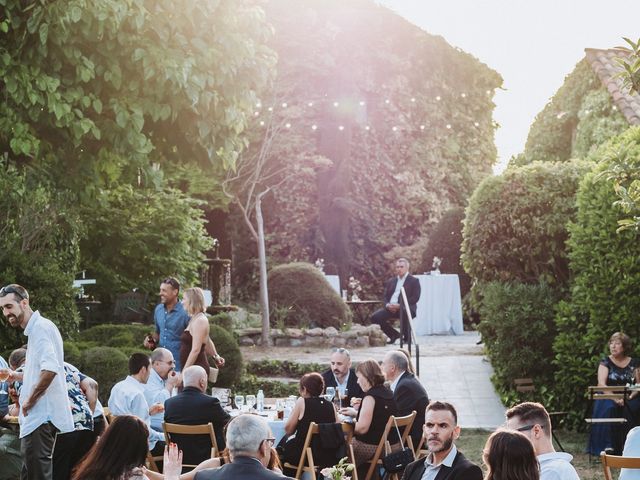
x=260, y=401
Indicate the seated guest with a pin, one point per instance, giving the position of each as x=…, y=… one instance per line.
x=341, y=376
x=121, y=454
x=615, y=369
x=310, y=407
x=127, y=398
x=249, y=440
x=376, y=408
x=444, y=461
x=4, y=397
x=533, y=420
x=408, y=392
x=162, y=380
x=10, y=459
x=193, y=407
x=72, y=446
x=631, y=449
x=509, y=455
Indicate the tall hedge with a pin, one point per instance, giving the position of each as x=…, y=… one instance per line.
x=300, y=296
x=515, y=225
x=606, y=269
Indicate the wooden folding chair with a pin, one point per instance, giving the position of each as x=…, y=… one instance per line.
x=204, y=429
x=614, y=461
x=420, y=450
x=307, y=463
x=107, y=415
x=402, y=422
x=152, y=464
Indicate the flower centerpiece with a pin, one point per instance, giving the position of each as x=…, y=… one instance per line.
x=356, y=289
x=339, y=471
x=437, y=261
x=320, y=264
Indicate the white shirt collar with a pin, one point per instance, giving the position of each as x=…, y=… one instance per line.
x=448, y=460
x=394, y=384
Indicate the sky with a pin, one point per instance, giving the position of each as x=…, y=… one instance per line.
x=533, y=44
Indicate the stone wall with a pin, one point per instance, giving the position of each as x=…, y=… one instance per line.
x=356, y=336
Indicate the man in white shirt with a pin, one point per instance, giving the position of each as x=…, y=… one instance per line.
x=127, y=398
x=631, y=449
x=533, y=420
x=162, y=380
x=44, y=404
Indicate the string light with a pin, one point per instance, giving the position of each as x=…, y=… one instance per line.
x=287, y=125
x=438, y=98
x=270, y=109
x=310, y=104
x=476, y=124
x=463, y=95
x=341, y=128
x=367, y=128
x=314, y=127
x=336, y=104
x=394, y=128
x=448, y=126
x=262, y=123
x=258, y=105
x=422, y=127
x=362, y=103
x=256, y=113
x=387, y=101
x=413, y=100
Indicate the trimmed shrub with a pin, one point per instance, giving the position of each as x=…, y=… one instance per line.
x=283, y=368
x=445, y=242
x=606, y=268
x=107, y=366
x=515, y=225
x=518, y=330
x=223, y=320
x=227, y=346
x=117, y=335
x=304, y=298
x=250, y=384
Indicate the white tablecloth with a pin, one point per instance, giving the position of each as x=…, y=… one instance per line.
x=334, y=281
x=439, y=310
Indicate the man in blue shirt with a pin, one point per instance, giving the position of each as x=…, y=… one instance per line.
x=170, y=318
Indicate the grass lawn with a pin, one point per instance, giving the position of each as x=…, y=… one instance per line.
x=472, y=442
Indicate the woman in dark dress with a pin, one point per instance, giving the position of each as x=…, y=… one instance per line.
x=616, y=369
x=376, y=408
x=310, y=407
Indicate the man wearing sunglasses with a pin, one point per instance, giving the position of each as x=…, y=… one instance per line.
x=533, y=420
x=45, y=410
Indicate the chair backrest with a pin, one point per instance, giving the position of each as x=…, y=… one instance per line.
x=524, y=384
x=617, y=392
x=403, y=422
x=614, y=461
x=222, y=394
x=204, y=429
x=129, y=305
x=107, y=415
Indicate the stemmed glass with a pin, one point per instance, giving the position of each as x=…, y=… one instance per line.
x=4, y=376
x=239, y=401
x=251, y=401
x=330, y=392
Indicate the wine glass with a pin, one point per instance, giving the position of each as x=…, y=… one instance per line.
x=4, y=376
x=330, y=392
x=239, y=401
x=251, y=401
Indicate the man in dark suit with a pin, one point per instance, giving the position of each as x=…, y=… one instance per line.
x=444, y=461
x=194, y=407
x=249, y=440
x=341, y=376
x=393, y=306
x=408, y=392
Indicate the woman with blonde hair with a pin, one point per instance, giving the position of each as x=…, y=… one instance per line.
x=194, y=341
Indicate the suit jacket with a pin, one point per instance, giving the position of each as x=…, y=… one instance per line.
x=411, y=287
x=461, y=469
x=410, y=395
x=242, y=468
x=353, y=389
x=192, y=407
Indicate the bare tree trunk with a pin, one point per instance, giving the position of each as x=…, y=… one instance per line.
x=262, y=260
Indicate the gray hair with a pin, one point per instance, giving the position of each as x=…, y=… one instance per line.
x=245, y=433
x=191, y=375
x=399, y=359
x=159, y=353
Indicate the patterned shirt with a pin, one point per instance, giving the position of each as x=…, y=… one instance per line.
x=82, y=416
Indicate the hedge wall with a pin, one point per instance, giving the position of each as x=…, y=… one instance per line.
x=606, y=268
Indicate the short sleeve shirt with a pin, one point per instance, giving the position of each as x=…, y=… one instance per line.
x=169, y=326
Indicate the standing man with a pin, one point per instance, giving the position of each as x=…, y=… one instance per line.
x=341, y=376
x=444, y=460
x=393, y=302
x=408, y=392
x=44, y=405
x=533, y=420
x=170, y=318
x=161, y=382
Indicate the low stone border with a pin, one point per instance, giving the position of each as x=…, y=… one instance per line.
x=356, y=336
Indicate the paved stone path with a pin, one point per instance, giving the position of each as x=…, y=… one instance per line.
x=452, y=368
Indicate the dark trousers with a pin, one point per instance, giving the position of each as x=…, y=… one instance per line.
x=70, y=448
x=383, y=317
x=37, y=449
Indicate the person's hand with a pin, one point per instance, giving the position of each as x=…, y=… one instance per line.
x=174, y=379
x=26, y=407
x=219, y=361
x=393, y=307
x=355, y=402
x=172, y=462
x=348, y=411
x=156, y=408
x=149, y=342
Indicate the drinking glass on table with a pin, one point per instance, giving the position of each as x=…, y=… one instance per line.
x=340, y=398
x=330, y=392
x=251, y=402
x=4, y=376
x=239, y=401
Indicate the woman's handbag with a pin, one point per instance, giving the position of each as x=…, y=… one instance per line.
x=396, y=461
